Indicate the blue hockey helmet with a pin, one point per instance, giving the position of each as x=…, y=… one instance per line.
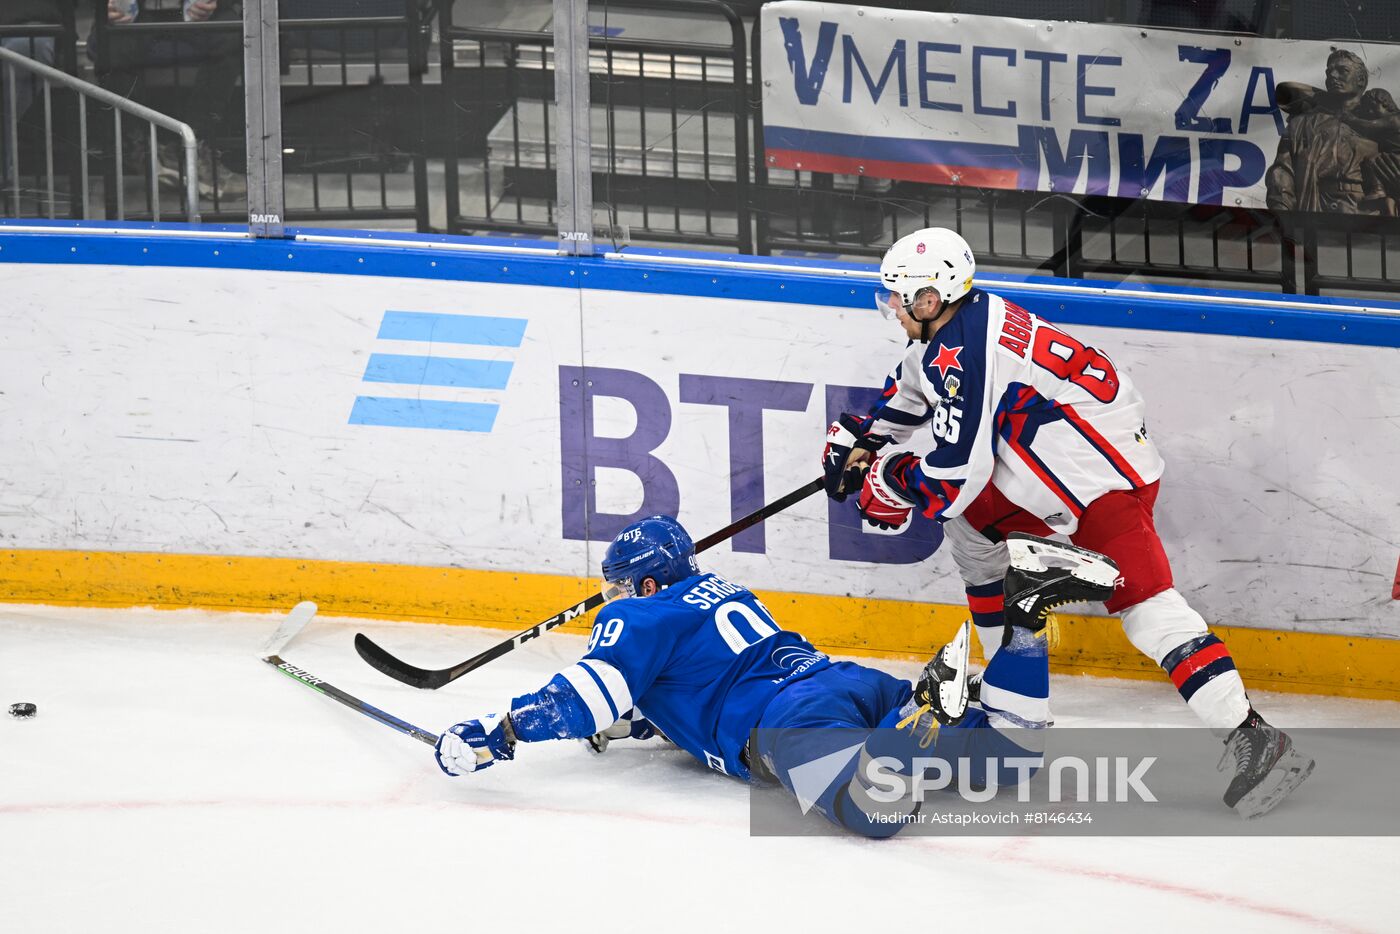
x=657, y=547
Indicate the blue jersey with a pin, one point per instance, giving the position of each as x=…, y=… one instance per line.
x=700, y=660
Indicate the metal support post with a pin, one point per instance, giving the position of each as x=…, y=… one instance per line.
x=12, y=139
x=574, y=162
x=262, y=86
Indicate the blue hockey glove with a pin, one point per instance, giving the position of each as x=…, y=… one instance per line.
x=632, y=725
x=887, y=499
x=847, y=450
x=475, y=744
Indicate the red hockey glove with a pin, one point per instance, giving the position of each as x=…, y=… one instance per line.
x=884, y=500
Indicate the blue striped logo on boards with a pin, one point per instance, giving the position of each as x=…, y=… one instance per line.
x=418, y=371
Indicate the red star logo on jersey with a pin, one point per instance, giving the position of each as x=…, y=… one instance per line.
x=946, y=360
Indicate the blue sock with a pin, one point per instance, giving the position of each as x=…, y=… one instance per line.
x=1016, y=684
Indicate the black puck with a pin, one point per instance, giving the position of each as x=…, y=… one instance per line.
x=23, y=711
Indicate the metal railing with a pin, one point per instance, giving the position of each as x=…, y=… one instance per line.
x=86, y=91
x=1349, y=253
x=1047, y=233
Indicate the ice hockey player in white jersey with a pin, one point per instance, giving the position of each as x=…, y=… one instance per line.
x=1036, y=432
x=703, y=662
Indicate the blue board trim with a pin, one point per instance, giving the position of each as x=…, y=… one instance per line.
x=373, y=257
x=392, y=255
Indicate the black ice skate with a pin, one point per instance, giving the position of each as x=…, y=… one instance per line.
x=1045, y=574
x=943, y=685
x=942, y=689
x=1267, y=767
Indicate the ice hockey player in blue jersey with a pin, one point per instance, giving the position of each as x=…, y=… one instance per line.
x=702, y=661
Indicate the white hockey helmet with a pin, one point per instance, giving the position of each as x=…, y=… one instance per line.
x=933, y=258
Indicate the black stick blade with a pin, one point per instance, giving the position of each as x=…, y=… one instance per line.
x=396, y=668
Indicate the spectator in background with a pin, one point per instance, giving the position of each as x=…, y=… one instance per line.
x=206, y=102
x=39, y=48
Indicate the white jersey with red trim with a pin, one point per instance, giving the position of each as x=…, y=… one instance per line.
x=1018, y=402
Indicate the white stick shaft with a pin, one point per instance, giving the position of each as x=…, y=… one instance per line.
x=294, y=623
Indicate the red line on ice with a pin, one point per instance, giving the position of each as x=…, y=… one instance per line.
x=1012, y=853
x=1009, y=853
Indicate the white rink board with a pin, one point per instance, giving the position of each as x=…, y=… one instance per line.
x=218, y=423
x=207, y=411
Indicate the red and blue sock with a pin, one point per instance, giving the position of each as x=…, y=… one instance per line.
x=987, y=604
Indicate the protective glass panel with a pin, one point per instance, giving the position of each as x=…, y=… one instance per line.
x=356, y=113
x=173, y=149
x=1245, y=162
x=670, y=126
x=496, y=119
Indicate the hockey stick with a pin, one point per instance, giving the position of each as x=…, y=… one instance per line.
x=271, y=653
x=431, y=680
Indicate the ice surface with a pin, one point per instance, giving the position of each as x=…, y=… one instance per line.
x=174, y=782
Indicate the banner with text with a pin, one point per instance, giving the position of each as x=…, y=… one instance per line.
x=1080, y=108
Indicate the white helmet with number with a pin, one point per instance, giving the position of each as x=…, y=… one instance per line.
x=933, y=258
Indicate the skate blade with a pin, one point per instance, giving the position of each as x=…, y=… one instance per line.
x=1288, y=773
x=1029, y=553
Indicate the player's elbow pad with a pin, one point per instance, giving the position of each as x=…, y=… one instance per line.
x=556, y=711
